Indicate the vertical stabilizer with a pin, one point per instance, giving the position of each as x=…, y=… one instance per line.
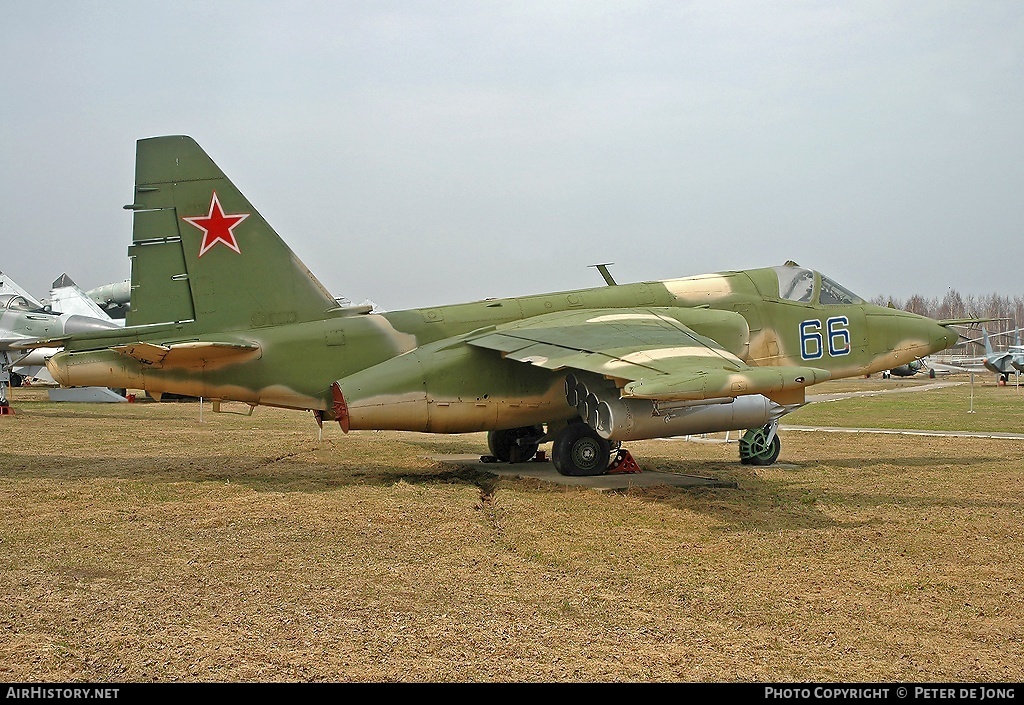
x=68, y=297
x=201, y=252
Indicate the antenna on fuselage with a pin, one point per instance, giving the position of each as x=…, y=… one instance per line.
x=603, y=269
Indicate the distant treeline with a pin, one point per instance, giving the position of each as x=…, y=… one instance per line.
x=955, y=305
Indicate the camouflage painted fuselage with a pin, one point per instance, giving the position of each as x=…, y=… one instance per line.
x=409, y=370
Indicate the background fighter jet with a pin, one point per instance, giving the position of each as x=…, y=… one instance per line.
x=585, y=370
x=22, y=319
x=1004, y=362
x=65, y=298
x=932, y=366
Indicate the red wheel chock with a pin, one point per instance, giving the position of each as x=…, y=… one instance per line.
x=6, y=410
x=623, y=463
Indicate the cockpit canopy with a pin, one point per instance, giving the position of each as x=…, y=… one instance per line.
x=17, y=302
x=807, y=286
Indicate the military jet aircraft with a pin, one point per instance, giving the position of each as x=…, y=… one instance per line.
x=908, y=370
x=931, y=367
x=1003, y=362
x=67, y=298
x=24, y=319
x=222, y=308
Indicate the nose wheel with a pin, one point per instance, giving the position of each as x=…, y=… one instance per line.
x=760, y=446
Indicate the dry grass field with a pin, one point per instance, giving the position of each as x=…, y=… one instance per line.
x=141, y=543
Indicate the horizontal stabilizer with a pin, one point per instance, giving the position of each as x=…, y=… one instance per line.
x=197, y=355
x=8, y=343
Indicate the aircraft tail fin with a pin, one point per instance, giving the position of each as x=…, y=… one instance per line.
x=988, y=343
x=200, y=251
x=68, y=297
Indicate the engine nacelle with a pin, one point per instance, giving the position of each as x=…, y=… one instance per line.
x=445, y=388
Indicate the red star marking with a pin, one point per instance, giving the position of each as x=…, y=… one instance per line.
x=217, y=227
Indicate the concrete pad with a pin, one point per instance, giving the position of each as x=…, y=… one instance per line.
x=85, y=394
x=544, y=470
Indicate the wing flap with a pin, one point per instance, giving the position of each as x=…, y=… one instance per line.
x=540, y=354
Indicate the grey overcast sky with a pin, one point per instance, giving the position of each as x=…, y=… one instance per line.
x=423, y=153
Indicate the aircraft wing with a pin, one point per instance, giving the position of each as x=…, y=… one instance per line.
x=649, y=352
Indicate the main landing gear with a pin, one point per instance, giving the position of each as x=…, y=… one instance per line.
x=577, y=449
x=515, y=445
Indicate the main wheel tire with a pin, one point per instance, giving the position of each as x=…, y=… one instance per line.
x=755, y=450
x=579, y=452
x=504, y=444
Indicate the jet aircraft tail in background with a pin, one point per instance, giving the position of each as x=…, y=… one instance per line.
x=68, y=297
